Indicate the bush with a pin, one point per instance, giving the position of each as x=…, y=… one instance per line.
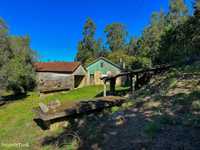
x=115, y=109
x=196, y=105
x=141, y=62
x=128, y=104
x=16, y=64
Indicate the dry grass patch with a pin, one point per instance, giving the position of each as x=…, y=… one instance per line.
x=152, y=105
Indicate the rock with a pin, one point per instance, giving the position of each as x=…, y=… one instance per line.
x=81, y=123
x=58, y=125
x=54, y=126
x=54, y=104
x=95, y=147
x=63, y=124
x=113, y=133
x=43, y=107
x=135, y=109
x=120, y=120
x=130, y=115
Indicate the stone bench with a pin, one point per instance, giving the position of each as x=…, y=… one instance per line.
x=45, y=116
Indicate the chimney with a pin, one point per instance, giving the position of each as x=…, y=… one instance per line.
x=124, y=65
x=120, y=60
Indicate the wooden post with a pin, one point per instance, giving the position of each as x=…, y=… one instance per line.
x=131, y=82
x=112, y=86
x=104, y=91
x=136, y=82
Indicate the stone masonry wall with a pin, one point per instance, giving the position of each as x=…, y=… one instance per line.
x=48, y=82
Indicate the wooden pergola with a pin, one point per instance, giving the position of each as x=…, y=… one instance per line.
x=141, y=75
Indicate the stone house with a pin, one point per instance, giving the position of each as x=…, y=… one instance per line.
x=57, y=76
x=103, y=67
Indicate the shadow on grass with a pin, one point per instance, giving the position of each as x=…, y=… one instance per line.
x=12, y=98
x=160, y=128
x=118, y=92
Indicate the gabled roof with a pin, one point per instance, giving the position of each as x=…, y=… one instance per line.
x=102, y=58
x=64, y=67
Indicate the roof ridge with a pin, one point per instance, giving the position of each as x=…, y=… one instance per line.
x=56, y=66
x=107, y=60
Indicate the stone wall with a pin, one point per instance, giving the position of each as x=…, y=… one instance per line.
x=48, y=82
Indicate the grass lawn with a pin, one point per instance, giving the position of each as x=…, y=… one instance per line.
x=16, y=118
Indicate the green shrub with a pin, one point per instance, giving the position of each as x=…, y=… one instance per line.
x=181, y=99
x=196, y=105
x=173, y=73
x=115, y=109
x=195, y=95
x=127, y=104
x=141, y=62
x=167, y=84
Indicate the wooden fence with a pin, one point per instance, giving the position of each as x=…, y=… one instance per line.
x=142, y=76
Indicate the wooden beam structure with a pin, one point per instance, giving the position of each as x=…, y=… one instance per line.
x=131, y=82
x=104, y=90
x=141, y=75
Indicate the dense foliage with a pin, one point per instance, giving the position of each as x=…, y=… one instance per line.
x=16, y=62
x=171, y=37
x=89, y=48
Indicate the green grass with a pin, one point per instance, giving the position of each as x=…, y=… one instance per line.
x=16, y=118
x=78, y=94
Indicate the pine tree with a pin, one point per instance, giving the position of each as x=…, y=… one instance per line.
x=149, y=42
x=178, y=12
x=116, y=35
x=88, y=47
x=197, y=9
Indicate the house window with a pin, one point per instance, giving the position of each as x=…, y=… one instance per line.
x=102, y=65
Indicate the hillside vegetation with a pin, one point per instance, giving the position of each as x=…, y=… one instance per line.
x=165, y=114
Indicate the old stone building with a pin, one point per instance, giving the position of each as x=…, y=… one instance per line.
x=57, y=76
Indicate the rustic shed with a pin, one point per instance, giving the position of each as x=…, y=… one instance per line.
x=57, y=76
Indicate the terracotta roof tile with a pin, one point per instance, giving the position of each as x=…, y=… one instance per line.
x=67, y=67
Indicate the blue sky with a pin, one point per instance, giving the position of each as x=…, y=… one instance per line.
x=55, y=26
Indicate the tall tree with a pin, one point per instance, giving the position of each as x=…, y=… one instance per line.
x=178, y=12
x=149, y=42
x=5, y=52
x=197, y=9
x=132, y=47
x=88, y=46
x=195, y=27
x=116, y=35
x=181, y=43
x=160, y=26
x=101, y=50
x=16, y=63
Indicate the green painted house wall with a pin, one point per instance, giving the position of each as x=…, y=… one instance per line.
x=101, y=67
x=107, y=66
